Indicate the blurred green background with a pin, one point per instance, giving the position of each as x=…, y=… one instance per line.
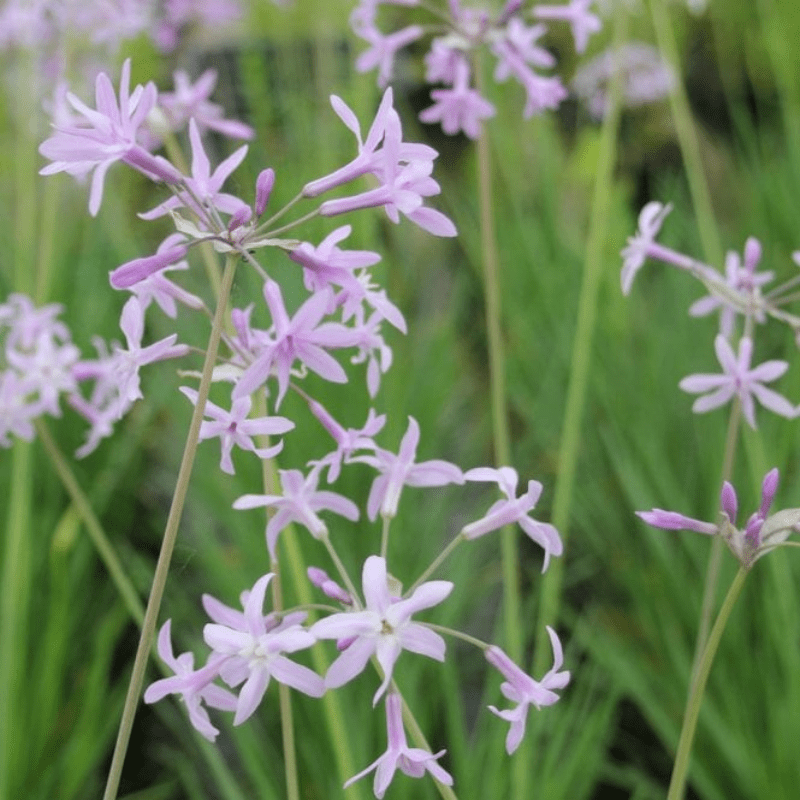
x=631, y=594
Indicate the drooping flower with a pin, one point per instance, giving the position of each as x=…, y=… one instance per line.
x=383, y=628
x=523, y=690
x=195, y=687
x=413, y=761
x=513, y=509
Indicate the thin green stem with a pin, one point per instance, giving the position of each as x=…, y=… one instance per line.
x=387, y=521
x=497, y=381
x=438, y=561
x=96, y=533
x=270, y=484
x=14, y=597
x=569, y=448
x=687, y=137
x=343, y=574
x=681, y=766
x=285, y=707
x=168, y=543
x=717, y=546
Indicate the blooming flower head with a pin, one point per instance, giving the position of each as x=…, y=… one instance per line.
x=383, y=628
x=106, y=135
x=253, y=649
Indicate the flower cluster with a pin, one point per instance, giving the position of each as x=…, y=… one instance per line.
x=738, y=298
x=762, y=532
x=259, y=363
x=512, y=36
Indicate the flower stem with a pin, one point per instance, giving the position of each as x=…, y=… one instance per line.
x=14, y=602
x=497, y=381
x=681, y=766
x=437, y=562
x=168, y=542
x=98, y=536
x=270, y=484
x=586, y=315
x=687, y=138
x=717, y=546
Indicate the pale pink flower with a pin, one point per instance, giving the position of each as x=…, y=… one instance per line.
x=300, y=501
x=383, y=628
x=413, y=761
x=738, y=379
x=523, y=690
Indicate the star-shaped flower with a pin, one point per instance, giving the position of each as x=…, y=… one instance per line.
x=738, y=379
x=383, y=628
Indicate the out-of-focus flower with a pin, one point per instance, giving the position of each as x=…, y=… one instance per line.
x=646, y=77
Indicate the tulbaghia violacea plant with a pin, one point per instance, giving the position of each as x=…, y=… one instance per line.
x=253, y=365
x=744, y=309
x=457, y=32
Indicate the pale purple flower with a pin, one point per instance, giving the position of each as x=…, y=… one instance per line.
x=234, y=427
x=742, y=278
x=126, y=363
x=582, y=22
x=347, y=440
x=645, y=77
x=634, y=255
x=523, y=690
x=520, y=41
x=398, y=470
x=195, y=687
x=254, y=650
x=204, y=186
x=128, y=275
x=383, y=628
x=17, y=409
x=738, y=379
x=383, y=48
x=303, y=337
x=157, y=288
x=405, y=180
x=442, y=62
x=191, y=101
x=300, y=501
x=541, y=93
x=109, y=134
x=328, y=264
x=413, y=761
x=513, y=509
x=460, y=108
